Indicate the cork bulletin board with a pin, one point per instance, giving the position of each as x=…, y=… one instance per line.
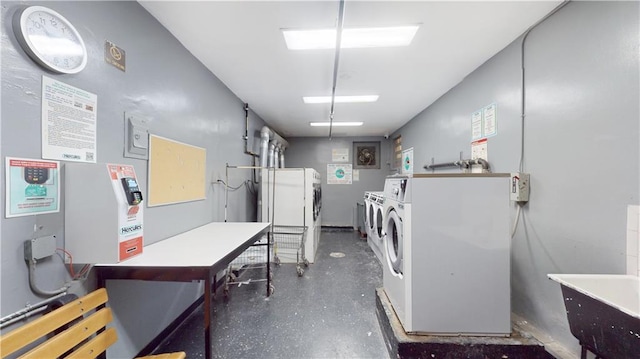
x=177, y=172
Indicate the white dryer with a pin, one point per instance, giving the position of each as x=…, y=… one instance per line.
x=293, y=197
x=447, y=253
x=375, y=221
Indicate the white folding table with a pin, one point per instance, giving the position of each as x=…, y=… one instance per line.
x=197, y=254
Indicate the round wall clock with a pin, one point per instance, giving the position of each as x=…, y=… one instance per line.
x=50, y=39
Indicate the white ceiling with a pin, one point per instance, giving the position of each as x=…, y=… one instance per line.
x=241, y=43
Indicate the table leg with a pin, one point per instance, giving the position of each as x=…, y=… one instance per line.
x=207, y=318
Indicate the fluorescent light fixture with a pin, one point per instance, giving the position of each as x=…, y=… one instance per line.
x=340, y=99
x=335, y=123
x=351, y=38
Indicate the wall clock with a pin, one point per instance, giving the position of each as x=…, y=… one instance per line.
x=50, y=39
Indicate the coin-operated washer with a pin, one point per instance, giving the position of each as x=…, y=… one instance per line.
x=103, y=212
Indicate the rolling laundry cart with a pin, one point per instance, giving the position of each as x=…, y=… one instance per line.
x=254, y=264
x=290, y=241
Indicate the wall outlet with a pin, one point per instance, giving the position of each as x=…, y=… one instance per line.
x=38, y=248
x=519, y=187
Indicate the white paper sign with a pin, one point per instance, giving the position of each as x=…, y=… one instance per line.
x=479, y=150
x=33, y=187
x=476, y=125
x=407, y=161
x=340, y=155
x=68, y=122
x=339, y=173
x=490, y=120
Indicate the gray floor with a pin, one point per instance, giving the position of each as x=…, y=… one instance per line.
x=327, y=313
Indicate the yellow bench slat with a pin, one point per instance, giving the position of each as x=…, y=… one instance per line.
x=46, y=324
x=96, y=346
x=177, y=355
x=71, y=337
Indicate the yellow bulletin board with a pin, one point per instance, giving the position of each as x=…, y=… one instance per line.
x=176, y=172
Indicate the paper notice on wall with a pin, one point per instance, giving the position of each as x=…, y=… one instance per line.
x=33, y=187
x=479, y=151
x=340, y=155
x=490, y=120
x=407, y=161
x=339, y=173
x=356, y=175
x=476, y=125
x=68, y=122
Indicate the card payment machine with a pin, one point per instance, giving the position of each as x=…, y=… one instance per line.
x=132, y=190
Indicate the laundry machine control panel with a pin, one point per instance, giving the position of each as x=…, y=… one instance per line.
x=397, y=188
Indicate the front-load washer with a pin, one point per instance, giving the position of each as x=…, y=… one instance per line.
x=447, y=253
x=368, y=214
x=376, y=214
x=394, y=235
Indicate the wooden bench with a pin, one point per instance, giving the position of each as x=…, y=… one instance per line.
x=87, y=337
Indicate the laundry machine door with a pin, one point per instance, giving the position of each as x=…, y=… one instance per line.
x=393, y=242
x=379, y=223
x=370, y=217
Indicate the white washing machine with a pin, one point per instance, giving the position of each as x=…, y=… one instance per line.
x=374, y=222
x=368, y=210
x=447, y=253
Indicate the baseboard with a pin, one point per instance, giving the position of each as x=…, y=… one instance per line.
x=337, y=229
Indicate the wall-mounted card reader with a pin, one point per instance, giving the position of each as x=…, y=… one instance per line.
x=132, y=190
x=106, y=227
x=36, y=175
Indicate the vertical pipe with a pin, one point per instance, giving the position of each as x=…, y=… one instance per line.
x=336, y=61
x=272, y=150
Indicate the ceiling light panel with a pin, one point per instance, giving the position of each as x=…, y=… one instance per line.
x=351, y=37
x=340, y=99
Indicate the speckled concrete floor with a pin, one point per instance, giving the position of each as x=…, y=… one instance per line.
x=330, y=312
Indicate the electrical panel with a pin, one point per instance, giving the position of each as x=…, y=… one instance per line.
x=520, y=187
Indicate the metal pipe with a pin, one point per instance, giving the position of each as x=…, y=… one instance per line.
x=246, y=132
x=272, y=150
x=282, y=159
x=19, y=315
x=265, y=134
x=522, y=79
x=479, y=161
x=442, y=165
x=336, y=62
x=38, y=291
x=22, y=317
x=460, y=163
x=276, y=156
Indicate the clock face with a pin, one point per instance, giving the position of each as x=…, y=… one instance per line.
x=50, y=39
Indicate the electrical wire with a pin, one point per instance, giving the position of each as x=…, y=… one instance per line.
x=71, y=271
x=231, y=188
x=516, y=220
x=84, y=270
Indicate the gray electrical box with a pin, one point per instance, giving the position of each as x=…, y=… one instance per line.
x=100, y=226
x=39, y=248
x=136, y=132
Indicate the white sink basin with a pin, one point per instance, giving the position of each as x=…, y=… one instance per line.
x=619, y=291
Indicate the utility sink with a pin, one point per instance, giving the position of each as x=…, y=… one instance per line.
x=603, y=311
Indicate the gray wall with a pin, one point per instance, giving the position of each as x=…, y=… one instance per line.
x=183, y=101
x=581, y=146
x=338, y=200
